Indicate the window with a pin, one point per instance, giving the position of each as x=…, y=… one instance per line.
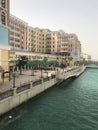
x=3, y=21
x=3, y=3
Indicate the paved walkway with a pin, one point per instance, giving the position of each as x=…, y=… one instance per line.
x=27, y=77
x=24, y=78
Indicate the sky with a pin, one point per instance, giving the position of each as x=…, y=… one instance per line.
x=72, y=16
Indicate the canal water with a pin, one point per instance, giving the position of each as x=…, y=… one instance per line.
x=72, y=105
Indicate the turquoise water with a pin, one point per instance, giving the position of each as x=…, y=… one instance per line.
x=73, y=105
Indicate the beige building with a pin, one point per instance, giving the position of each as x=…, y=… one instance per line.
x=37, y=40
x=31, y=39
x=51, y=42
x=85, y=57
x=63, y=44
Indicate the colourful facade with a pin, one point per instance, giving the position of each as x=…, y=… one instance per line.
x=18, y=33
x=4, y=34
x=4, y=12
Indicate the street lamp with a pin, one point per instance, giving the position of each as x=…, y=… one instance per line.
x=13, y=79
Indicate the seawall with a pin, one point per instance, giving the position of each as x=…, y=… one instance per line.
x=18, y=98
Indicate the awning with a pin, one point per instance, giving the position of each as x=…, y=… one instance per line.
x=1, y=69
x=52, y=63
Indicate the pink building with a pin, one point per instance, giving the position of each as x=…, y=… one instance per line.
x=18, y=33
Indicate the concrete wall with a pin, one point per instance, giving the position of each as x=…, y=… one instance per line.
x=13, y=101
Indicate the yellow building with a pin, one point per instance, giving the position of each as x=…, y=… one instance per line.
x=37, y=40
x=51, y=42
x=4, y=57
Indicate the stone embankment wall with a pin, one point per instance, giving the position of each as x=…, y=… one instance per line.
x=19, y=95
x=13, y=98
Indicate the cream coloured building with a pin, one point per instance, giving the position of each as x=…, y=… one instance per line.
x=51, y=42
x=4, y=57
x=85, y=56
x=37, y=39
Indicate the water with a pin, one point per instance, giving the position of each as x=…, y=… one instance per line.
x=73, y=105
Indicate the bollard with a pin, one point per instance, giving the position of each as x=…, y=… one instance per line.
x=31, y=85
x=14, y=90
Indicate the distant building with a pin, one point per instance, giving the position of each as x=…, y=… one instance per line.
x=51, y=42
x=63, y=44
x=85, y=57
x=75, y=47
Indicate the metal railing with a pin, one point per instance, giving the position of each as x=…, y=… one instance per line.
x=37, y=82
x=25, y=86
x=6, y=94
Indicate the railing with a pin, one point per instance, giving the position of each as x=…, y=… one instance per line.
x=70, y=73
x=37, y=82
x=6, y=94
x=46, y=79
x=24, y=87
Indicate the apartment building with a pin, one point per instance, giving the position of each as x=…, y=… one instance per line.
x=51, y=42
x=31, y=39
x=4, y=12
x=85, y=57
x=74, y=46
x=4, y=34
x=79, y=51
x=18, y=33
x=63, y=44
x=37, y=40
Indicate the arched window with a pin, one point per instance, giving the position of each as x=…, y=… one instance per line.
x=3, y=18
x=3, y=3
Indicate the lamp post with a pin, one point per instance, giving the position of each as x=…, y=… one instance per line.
x=13, y=79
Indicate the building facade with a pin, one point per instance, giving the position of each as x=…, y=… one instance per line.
x=85, y=57
x=18, y=33
x=31, y=44
x=4, y=34
x=4, y=12
x=74, y=46
x=63, y=44
x=51, y=42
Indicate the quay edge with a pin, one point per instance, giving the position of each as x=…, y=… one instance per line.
x=18, y=98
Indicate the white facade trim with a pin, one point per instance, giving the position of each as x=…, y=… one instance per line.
x=4, y=47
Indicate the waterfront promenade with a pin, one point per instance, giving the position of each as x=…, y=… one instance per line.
x=26, y=86
x=71, y=105
x=25, y=78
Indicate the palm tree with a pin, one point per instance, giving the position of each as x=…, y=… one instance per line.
x=45, y=59
x=21, y=62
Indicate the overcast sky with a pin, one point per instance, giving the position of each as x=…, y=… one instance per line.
x=73, y=16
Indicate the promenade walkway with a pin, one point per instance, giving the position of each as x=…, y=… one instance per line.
x=27, y=77
x=24, y=78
